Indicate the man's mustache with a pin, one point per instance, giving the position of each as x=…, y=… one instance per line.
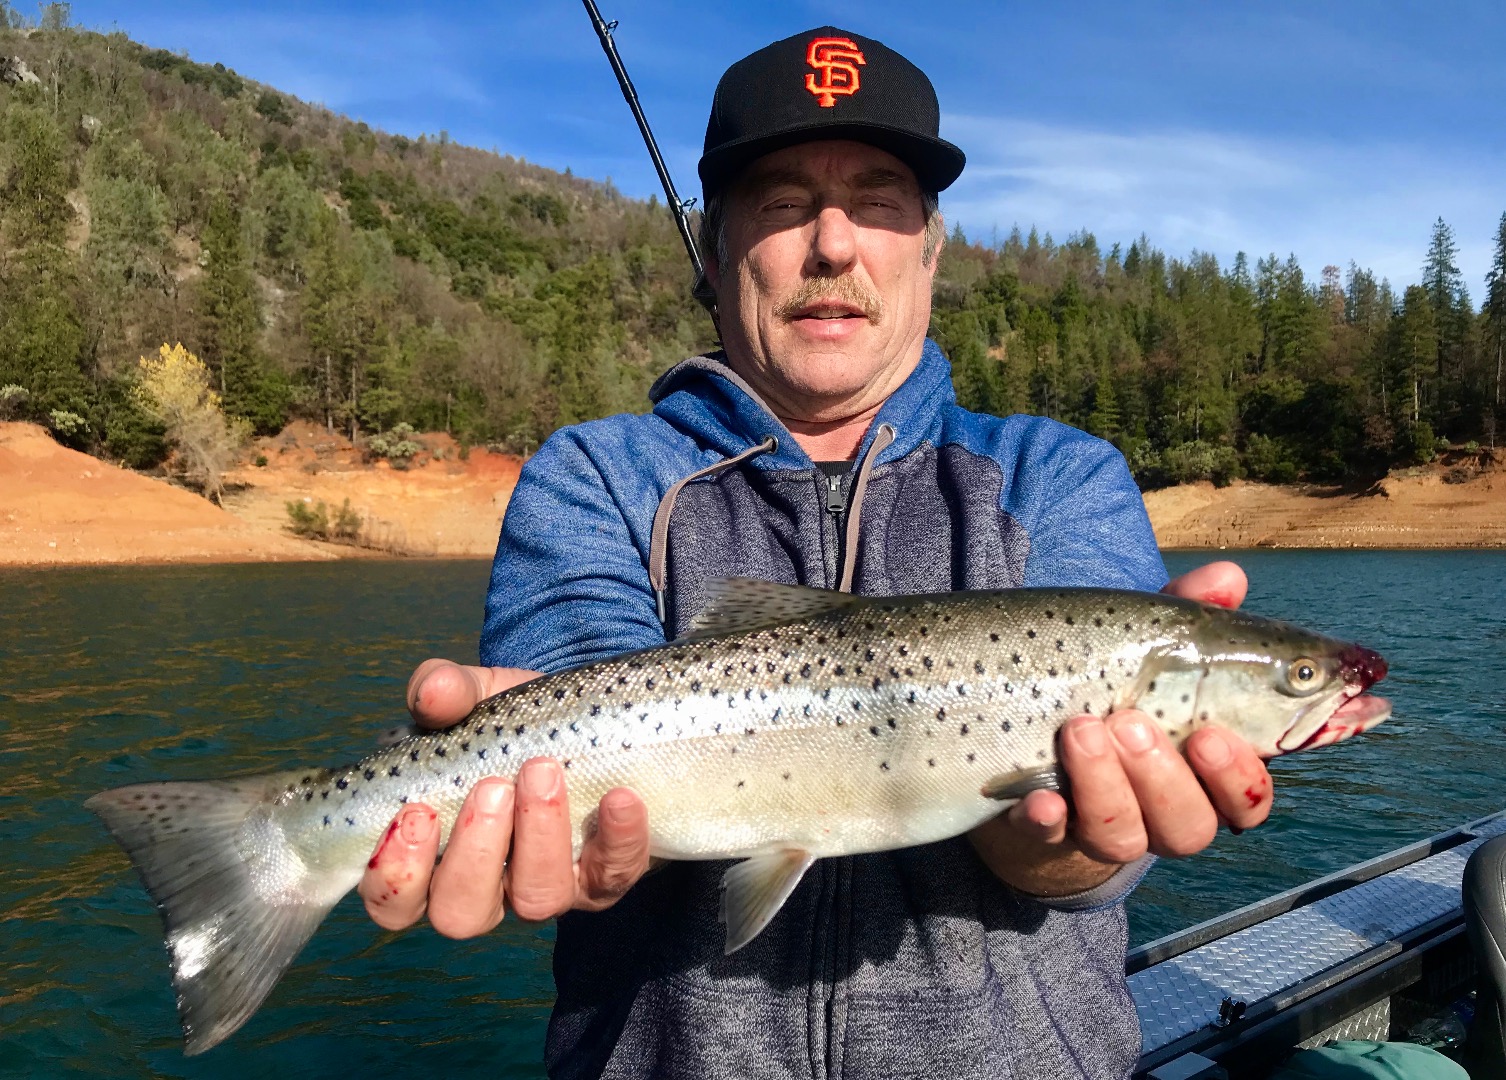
x=846, y=289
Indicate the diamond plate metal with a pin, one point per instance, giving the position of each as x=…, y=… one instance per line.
x=1373, y=1024
x=1181, y=995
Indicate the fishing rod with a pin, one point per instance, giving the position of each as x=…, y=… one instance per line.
x=677, y=206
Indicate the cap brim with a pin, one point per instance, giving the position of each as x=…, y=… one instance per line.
x=935, y=162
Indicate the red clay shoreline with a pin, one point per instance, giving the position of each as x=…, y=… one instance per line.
x=59, y=507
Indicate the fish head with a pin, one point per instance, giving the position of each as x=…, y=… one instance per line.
x=1282, y=688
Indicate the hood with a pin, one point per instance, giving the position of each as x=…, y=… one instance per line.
x=707, y=400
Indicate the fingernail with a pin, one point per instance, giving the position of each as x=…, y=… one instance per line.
x=493, y=796
x=416, y=690
x=1051, y=820
x=1134, y=735
x=541, y=779
x=1090, y=737
x=418, y=825
x=1214, y=749
x=619, y=811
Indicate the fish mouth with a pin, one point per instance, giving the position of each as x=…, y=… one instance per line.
x=1358, y=713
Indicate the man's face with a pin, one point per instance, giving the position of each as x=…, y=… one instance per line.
x=825, y=298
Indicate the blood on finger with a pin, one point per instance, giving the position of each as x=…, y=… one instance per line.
x=386, y=839
x=391, y=888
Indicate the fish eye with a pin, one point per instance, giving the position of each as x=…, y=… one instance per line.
x=1303, y=673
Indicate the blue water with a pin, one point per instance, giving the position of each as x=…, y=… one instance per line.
x=113, y=676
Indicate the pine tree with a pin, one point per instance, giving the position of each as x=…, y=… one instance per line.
x=230, y=324
x=1417, y=348
x=1104, y=419
x=1440, y=274
x=1495, y=309
x=337, y=323
x=34, y=206
x=1444, y=284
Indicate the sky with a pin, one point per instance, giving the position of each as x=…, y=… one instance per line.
x=1335, y=130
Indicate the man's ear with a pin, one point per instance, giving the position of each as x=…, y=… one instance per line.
x=940, y=243
x=713, y=270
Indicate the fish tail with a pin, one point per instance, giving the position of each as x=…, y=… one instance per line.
x=237, y=902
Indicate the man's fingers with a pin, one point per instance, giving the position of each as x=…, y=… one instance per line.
x=466, y=898
x=442, y=693
x=1041, y=817
x=1221, y=583
x=541, y=873
x=1234, y=777
x=1109, y=826
x=613, y=860
x=396, y=883
x=1179, y=819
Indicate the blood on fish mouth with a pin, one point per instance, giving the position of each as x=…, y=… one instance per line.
x=1360, y=713
x=1363, y=666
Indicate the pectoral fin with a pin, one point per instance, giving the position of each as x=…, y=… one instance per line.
x=1008, y=787
x=755, y=889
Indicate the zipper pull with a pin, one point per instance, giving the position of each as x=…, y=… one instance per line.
x=836, y=494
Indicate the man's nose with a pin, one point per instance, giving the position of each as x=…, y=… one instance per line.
x=833, y=242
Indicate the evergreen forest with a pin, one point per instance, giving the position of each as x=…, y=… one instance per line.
x=327, y=271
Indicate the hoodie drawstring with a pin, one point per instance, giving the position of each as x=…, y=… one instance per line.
x=658, y=551
x=881, y=439
x=658, y=546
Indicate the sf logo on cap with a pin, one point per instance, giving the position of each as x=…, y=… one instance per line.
x=837, y=60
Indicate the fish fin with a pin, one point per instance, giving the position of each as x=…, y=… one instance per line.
x=755, y=889
x=1007, y=787
x=735, y=605
x=394, y=735
x=235, y=913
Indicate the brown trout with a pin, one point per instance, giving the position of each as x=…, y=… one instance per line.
x=788, y=725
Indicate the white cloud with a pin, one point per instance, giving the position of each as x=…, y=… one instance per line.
x=1328, y=202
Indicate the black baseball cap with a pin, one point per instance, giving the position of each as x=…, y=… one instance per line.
x=826, y=84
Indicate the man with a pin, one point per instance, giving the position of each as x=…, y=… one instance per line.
x=825, y=448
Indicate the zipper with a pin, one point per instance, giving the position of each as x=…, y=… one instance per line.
x=836, y=494
x=833, y=491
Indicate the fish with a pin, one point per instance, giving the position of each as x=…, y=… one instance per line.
x=788, y=724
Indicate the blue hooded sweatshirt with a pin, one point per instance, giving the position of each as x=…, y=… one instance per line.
x=908, y=963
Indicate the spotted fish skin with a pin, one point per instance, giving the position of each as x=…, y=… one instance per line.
x=791, y=724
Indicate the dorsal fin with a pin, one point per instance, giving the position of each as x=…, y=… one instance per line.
x=737, y=605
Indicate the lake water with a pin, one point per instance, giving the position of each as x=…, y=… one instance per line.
x=121, y=675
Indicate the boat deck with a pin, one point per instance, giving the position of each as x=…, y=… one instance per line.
x=1266, y=960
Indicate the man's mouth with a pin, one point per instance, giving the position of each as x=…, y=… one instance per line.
x=830, y=303
x=830, y=311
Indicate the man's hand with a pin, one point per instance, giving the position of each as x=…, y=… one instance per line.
x=1132, y=791
x=511, y=843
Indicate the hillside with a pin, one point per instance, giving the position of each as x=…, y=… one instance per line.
x=321, y=269
x=334, y=274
